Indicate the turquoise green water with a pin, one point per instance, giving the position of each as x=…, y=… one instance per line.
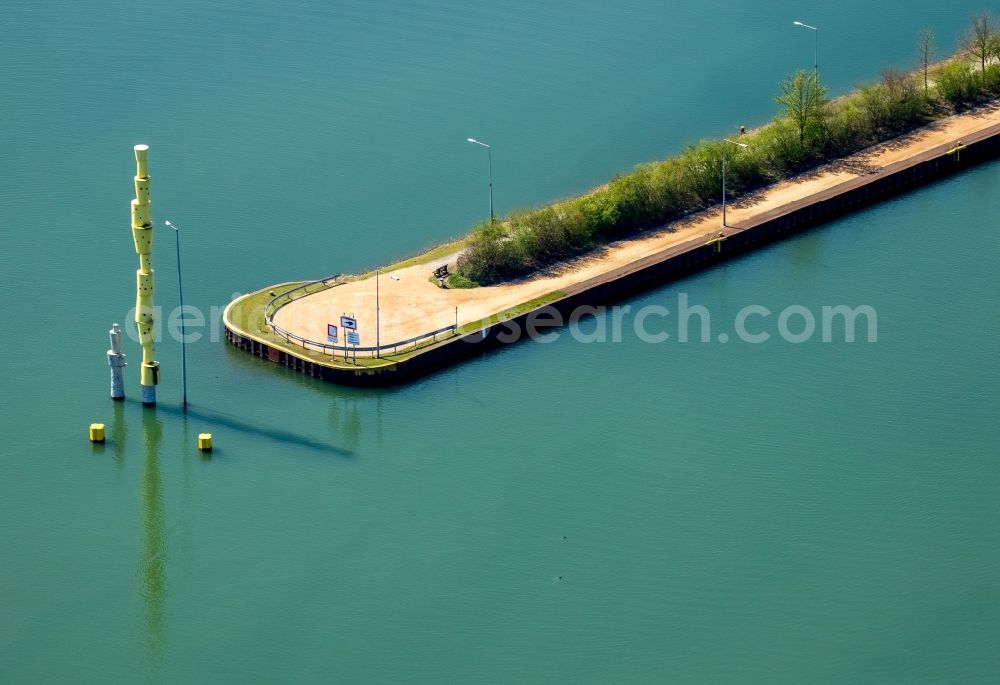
x=564, y=512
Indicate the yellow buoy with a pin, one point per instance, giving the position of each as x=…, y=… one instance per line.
x=97, y=432
x=205, y=442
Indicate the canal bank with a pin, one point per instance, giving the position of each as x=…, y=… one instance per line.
x=936, y=151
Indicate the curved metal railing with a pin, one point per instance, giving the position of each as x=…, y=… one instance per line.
x=287, y=296
x=313, y=287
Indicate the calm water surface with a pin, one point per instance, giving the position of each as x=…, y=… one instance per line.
x=564, y=512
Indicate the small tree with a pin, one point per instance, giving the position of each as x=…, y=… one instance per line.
x=925, y=51
x=804, y=100
x=874, y=101
x=905, y=104
x=956, y=84
x=996, y=50
x=981, y=40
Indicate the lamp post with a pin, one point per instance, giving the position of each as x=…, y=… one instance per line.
x=815, y=47
x=378, y=319
x=180, y=290
x=725, y=158
x=489, y=152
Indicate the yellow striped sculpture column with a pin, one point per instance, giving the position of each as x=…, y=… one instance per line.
x=142, y=236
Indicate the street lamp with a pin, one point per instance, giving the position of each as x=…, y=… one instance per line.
x=180, y=290
x=724, y=159
x=816, y=46
x=489, y=152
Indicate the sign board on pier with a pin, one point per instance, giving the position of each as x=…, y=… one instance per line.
x=331, y=332
x=353, y=338
x=349, y=323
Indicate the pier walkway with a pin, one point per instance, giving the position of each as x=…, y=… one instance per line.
x=411, y=303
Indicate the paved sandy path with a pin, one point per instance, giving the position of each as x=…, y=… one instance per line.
x=411, y=304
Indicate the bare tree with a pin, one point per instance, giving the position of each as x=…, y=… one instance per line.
x=925, y=49
x=981, y=40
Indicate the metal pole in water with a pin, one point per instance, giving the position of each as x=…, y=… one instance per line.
x=180, y=290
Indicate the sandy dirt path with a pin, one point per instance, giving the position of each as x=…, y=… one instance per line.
x=411, y=304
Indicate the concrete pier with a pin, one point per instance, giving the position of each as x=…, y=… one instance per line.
x=929, y=155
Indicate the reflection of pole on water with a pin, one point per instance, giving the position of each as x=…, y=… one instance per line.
x=345, y=417
x=119, y=432
x=153, y=560
x=378, y=422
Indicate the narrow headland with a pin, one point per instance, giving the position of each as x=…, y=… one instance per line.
x=642, y=229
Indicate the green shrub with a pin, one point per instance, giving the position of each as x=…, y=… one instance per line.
x=956, y=83
x=540, y=238
x=600, y=212
x=550, y=233
x=702, y=169
x=780, y=150
x=630, y=197
x=574, y=225
x=848, y=128
x=669, y=193
x=745, y=169
x=460, y=281
x=993, y=78
x=812, y=131
x=874, y=102
x=905, y=101
x=492, y=255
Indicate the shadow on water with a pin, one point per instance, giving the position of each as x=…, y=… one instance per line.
x=244, y=426
x=151, y=571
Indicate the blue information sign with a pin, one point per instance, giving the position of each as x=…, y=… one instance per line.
x=349, y=322
x=353, y=338
x=331, y=332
